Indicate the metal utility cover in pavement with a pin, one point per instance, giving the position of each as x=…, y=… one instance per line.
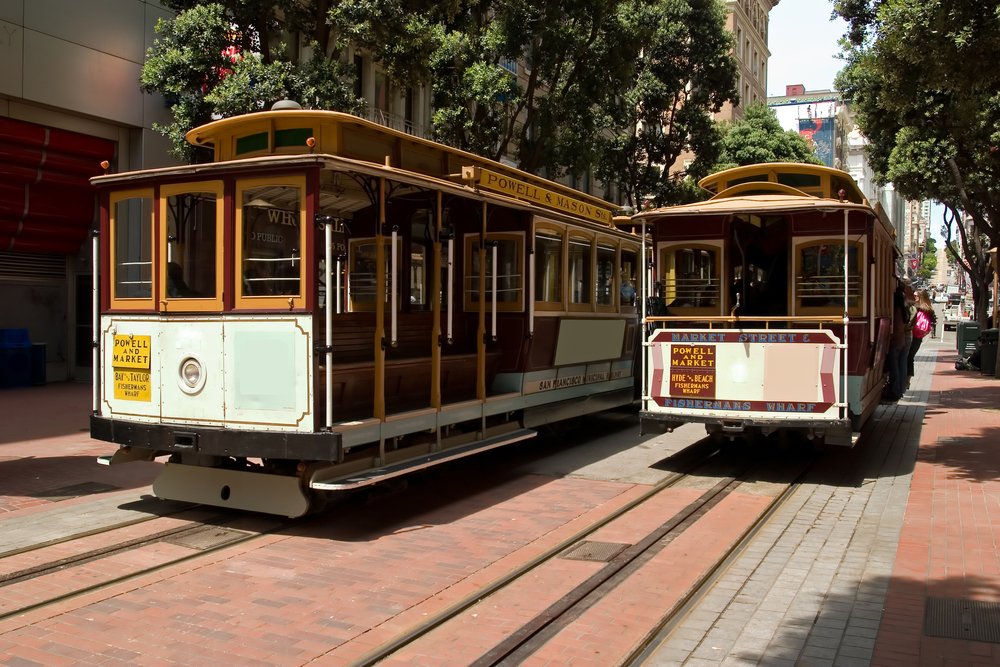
x=207, y=538
x=600, y=552
x=956, y=618
x=75, y=491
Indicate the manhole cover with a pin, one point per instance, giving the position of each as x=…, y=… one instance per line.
x=600, y=552
x=955, y=618
x=74, y=491
x=207, y=538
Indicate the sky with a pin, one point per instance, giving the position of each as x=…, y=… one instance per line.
x=803, y=44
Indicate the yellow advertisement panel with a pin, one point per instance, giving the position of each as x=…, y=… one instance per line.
x=131, y=352
x=132, y=385
x=131, y=362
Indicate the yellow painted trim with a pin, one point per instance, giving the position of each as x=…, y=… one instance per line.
x=471, y=239
x=552, y=228
x=586, y=306
x=165, y=302
x=123, y=303
x=305, y=238
x=805, y=242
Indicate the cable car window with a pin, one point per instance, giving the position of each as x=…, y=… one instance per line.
x=271, y=241
x=690, y=277
x=191, y=245
x=508, y=276
x=605, y=275
x=133, y=248
x=820, y=279
x=418, y=275
x=628, y=277
x=580, y=275
x=548, y=267
x=362, y=278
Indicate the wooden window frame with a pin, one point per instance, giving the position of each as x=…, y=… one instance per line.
x=799, y=242
x=571, y=306
x=348, y=271
x=552, y=228
x=720, y=262
x=166, y=302
x=282, y=302
x=636, y=250
x=615, y=279
x=128, y=303
x=471, y=306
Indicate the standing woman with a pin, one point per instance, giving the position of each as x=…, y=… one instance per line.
x=923, y=323
x=896, y=357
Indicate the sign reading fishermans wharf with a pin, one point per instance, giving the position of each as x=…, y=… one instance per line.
x=515, y=188
x=692, y=370
x=130, y=361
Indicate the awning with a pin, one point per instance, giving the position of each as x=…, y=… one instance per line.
x=47, y=204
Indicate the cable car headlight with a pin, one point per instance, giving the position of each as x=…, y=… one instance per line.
x=191, y=375
x=191, y=372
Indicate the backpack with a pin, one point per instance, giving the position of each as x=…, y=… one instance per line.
x=922, y=325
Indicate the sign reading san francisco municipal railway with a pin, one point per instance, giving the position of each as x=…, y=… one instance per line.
x=511, y=186
x=131, y=364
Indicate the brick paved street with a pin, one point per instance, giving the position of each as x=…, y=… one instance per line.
x=809, y=590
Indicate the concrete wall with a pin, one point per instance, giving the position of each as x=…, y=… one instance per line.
x=75, y=65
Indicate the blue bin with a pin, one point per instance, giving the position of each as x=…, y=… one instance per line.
x=15, y=358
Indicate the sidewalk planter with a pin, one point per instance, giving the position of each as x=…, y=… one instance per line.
x=988, y=352
x=966, y=334
x=15, y=358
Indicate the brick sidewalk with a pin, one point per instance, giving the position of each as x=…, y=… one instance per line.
x=948, y=545
x=45, y=444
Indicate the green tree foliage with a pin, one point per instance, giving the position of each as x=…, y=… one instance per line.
x=228, y=58
x=582, y=63
x=917, y=75
x=684, y=72
x=929, y=263
x=758, y=138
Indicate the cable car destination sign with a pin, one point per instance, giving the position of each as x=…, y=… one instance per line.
x=491, y=180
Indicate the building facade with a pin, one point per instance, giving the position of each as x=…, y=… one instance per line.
x=747, y=20
x=69, y=99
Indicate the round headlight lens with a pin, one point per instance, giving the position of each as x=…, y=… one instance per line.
x=191, y=372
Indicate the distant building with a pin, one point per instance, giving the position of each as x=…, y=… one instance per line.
x=828, y=122
x=748, y=22
x=819, y=116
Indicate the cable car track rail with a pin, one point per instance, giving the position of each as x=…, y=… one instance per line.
x=531, y=636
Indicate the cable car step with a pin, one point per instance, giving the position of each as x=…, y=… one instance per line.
x=374, y=475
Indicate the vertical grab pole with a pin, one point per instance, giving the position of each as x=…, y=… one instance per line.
x=392, y=288
x=328, y=237
x=494, y=329
x=96, y=354
x=340, y=303
x=451, y=284
x=529, y=291
x=847, y=255
x=642, y=321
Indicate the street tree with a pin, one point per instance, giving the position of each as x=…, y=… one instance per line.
x=970, y=254
x=928, y=265
x=684, y=73
x=916, y=75
x=529, y=80
x=758, y=138
x=235, y=56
